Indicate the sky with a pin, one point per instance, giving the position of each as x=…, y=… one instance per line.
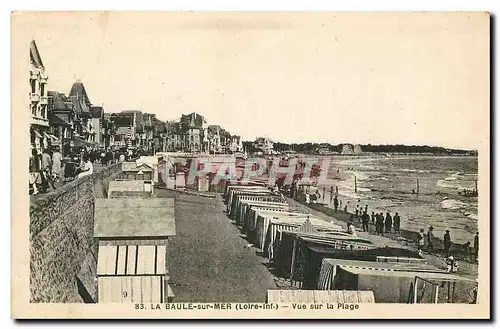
x=418, y=79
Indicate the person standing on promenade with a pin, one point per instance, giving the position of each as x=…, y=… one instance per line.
x=373, y=217
x=46, y=168
x=365, y=219
x=430, y=243
x=421, y=239
x=447, y=243
x=35, y=166
x=388, y=223
x=56, y=163
x=357, y=210
x=476, y=246
x=396, y=223
x=335, y=203
x=324, y=193
x=331, y=193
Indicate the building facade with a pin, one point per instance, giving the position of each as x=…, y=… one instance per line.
x=265, y=145
x=39, y=116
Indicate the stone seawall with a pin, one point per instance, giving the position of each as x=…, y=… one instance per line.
x=63, y=254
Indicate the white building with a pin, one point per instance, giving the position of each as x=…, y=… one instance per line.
x=264, y=144
x=39, y=121
x=347, y=149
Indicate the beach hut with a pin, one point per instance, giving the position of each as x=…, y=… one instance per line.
x=264, y=196
x=320, y=296
x=243, y=205
x=249, y=220
x=134, y=221
x=390, y=286
x=133, y=274
x=290, y=247
x=142, y=171
x=233, y=200
x=152, y=162
x=268, y=223
x=132, y=238
x=307, y=265
x=130, y=188
x=254, y=191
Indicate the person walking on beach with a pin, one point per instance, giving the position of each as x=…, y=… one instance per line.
x=421, y=239
x=365, y=219
x=373, y=217
x=357, y=210
x=380, y=224
x=388, y=223
x=476, y=246
x=447, y=243
x=335, y=203
x=396, y=222
x=430, y=243
x=366, y=208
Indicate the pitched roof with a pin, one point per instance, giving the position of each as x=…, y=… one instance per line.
x=58, y=120
x=214, y=129
x=192, y=120
x=78, y=91
x=97, y=112
x=59, y=101
x=35, y=58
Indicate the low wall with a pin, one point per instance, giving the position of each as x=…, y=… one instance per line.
x=63, y=254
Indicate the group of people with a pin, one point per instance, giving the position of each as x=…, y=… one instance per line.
x=45, y=169
x=447, y=244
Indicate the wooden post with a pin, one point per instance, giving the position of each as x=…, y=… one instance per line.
x=415, y=290
x=418, y=187
x=436, y=295
x=355, y=185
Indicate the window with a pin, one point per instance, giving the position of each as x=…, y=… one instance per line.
x=42, y=89
x=33, y=86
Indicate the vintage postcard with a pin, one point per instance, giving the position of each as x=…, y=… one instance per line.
x=251, y=165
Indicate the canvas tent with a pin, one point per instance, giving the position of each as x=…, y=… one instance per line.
x=399, y=286
x=290, y=247
x=309, y=261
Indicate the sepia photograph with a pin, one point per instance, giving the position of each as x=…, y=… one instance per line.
x=251, y=165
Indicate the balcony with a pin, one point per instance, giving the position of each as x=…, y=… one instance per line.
x=34, y=74
x=34, y=97
x=43, y=77
x=39, y=121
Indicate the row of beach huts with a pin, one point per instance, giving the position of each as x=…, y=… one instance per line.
x=320, y=262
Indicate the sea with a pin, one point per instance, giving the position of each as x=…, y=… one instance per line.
x=389, y=183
